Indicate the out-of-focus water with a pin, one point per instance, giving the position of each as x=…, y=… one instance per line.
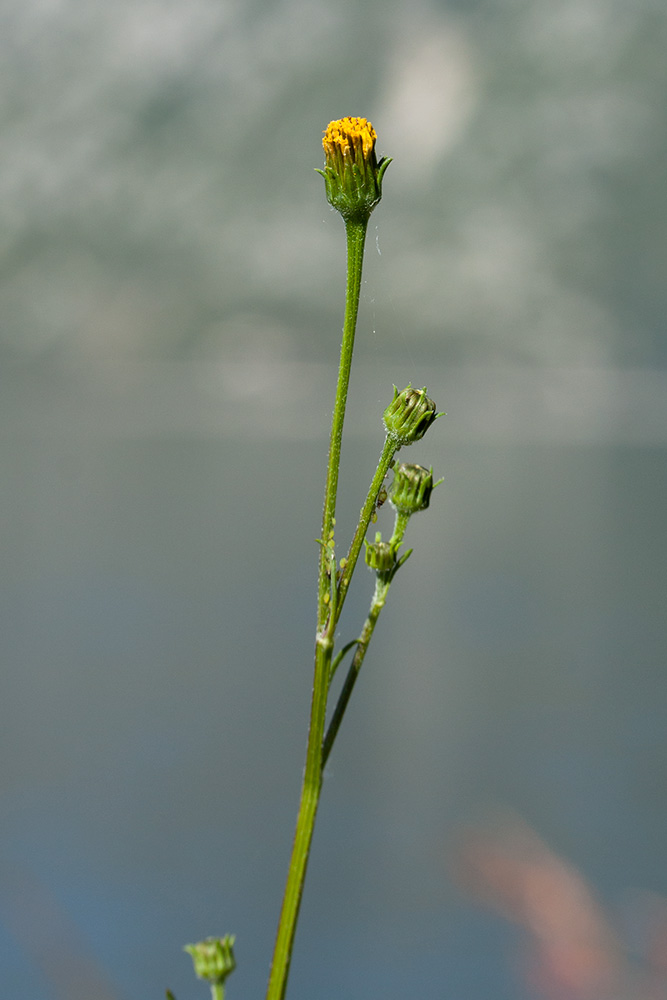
x=172, y=302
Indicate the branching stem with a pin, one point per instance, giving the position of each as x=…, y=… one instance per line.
x=326, y=623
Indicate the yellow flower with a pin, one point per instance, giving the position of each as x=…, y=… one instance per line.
x=352, y=174
x=349, y=136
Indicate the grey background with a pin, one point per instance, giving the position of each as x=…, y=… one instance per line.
x=171, y=305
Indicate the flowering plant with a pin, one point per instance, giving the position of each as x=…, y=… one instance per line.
x=353, y=183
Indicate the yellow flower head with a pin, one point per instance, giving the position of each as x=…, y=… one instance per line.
x=352, y=174
x=349, y=137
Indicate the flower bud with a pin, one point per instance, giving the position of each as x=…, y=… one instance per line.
x=409, y=415
x=213, y=958
x=380, y=555
x=352, y=174
x=412, y=487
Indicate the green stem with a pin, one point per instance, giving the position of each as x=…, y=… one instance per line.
x=356, y=238
x=326, y=623
x=305, y=825
x=382, y=585
x=400, y=524
x=217, y=991
x=379, y=598
x=386, y=459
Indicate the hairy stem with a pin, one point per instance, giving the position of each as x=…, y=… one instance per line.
x=382, y=584
x=385, y=463
x=326, y=623
x=356, y=238
x=379, y=598
x=305, y=825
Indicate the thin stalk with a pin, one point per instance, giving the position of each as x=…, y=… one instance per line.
x=382, y=584
x=356, y=238
x=312, y=779
x=379, y=598
x=386, y=459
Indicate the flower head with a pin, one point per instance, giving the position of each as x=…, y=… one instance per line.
x=352, y=174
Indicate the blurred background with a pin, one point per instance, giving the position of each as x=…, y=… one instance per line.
x=494, y=817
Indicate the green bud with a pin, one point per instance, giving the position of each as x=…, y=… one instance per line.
x=352, y=174
x=409, y=415
x=412, y=487
x=213, y=958
x=380, y=555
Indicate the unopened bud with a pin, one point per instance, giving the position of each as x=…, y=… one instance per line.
x=380, y=555
x=213, y=958
x=412, y=487
x=409, y=415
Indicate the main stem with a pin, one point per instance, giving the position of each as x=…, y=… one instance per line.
x=312, y=778
x=356, y=238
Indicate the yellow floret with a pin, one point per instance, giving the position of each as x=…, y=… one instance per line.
x=345, y=133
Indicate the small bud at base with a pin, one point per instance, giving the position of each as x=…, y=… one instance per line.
x=213, y=958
